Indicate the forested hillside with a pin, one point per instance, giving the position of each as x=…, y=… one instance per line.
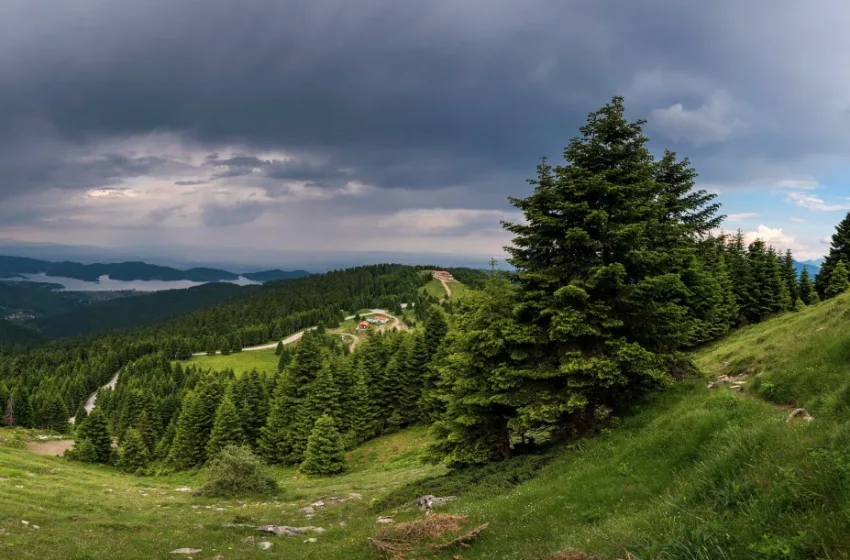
x=138, y=310
x=50, y=383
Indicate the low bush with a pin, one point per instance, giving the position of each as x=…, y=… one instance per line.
x=237, y=471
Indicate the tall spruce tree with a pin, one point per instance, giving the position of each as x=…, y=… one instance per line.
x=306, y=365
x=325, y=452
x=806, y=289
x=602, y=306
x=484, y=379
x=227, y=429
x=192, y=433
x=789, y=275
x=134, y=455
x=838, y=248
x=838, y=280
x=95, y=430
x=81, y=414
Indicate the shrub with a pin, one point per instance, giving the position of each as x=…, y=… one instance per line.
x=84, y=451
x=236, y=470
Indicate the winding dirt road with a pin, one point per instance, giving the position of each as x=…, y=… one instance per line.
x=297, y=336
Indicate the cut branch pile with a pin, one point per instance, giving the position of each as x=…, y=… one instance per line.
x=398, y=541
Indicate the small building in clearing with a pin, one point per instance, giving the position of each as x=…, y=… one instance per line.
x=362, y=325
x=444, y=274
x=378, y=320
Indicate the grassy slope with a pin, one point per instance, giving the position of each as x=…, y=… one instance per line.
x=699, y=473
x=239, y=362
x=690, y=473
x=94, y=513
x=435, y=288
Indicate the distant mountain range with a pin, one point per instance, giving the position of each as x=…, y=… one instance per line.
x=136, y=270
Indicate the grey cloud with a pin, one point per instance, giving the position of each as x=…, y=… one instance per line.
x=217, y=215
x=161, y=214
x=191, y=183
x=419, y=96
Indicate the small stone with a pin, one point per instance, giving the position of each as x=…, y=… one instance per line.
x=265, y=545
x=186, y=551
x=737, y=388
x=319, y=504
x=355, y=496
x=311, y=540
x=307, y=510
x=250, y=540
x=342, y=523
x=219, y=509
x=19, y=486
x=36, y=527
x=183, y=489
x=428, y=502
x=386, y=519
x=24, y=522
x=801, y=414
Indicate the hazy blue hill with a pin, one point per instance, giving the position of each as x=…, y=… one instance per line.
x=276, y=274
x=11, y=267
x=813, y=269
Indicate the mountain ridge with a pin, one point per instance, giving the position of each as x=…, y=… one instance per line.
x=11, y=267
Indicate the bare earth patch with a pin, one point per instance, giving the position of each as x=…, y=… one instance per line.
x=55, y=447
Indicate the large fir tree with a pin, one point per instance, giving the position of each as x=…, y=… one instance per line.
x=806, y=289
x=134, y=456
x=95, y=430
x=325, y=453
x=600, y=260
x=227, y=429
x=838, y=280
x=839, y=247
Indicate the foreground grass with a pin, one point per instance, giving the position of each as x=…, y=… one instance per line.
x=92, y=512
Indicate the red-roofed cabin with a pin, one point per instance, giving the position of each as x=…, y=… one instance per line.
x=442, y=274
x=362, y=325
x=380, y=319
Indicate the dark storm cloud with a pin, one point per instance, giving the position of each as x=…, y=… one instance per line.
x=420, y=95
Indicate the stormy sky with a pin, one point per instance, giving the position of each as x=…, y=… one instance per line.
x=220, y=127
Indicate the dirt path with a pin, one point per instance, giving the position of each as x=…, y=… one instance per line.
x=55, y=447
x=355, y=340
x=446, y=286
